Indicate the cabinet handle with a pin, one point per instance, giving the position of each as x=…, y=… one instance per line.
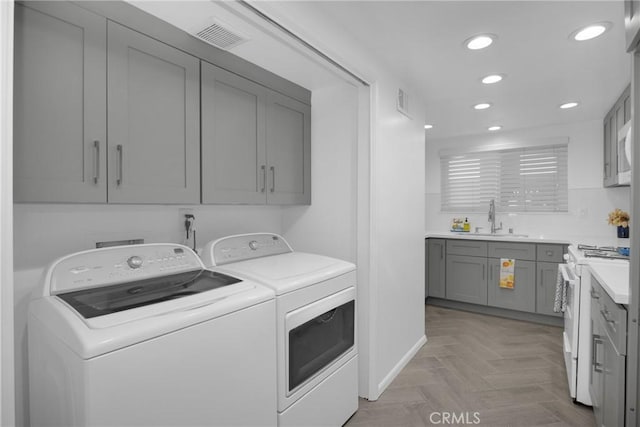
x=441, y=251
x=273, y=178
x=483, y=272
x=96, y=161
x=594, y=294
x=264, y=178
x=119, y=165
x=594, y=354
x=549, y=253
x=490, y=273
x=605, y=315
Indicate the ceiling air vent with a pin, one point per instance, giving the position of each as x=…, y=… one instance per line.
x=219, y=34
x=403, y=102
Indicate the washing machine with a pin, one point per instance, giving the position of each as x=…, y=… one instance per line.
x=144, y=335
x=315, y=324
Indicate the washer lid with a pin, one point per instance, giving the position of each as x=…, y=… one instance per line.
x=287, y=272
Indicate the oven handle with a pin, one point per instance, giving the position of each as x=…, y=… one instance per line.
x=302, y=315
x=566, y=275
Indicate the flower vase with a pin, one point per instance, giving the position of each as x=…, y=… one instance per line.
x=623, y=232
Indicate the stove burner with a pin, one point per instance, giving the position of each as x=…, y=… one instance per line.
x=594, y=247
x=604, y=253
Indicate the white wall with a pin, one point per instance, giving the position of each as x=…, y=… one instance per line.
x=589, y=202
x=394, y=259
x=7, y=395
x=328, y=226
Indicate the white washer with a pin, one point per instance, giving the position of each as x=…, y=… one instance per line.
x=144, y=335
x=316, y=324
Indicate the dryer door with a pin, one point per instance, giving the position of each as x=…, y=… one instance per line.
x=317, y=335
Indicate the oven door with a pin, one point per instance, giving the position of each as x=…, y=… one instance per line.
x=319, y=337
x=571, y=319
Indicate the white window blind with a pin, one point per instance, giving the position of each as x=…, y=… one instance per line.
x=531, y=179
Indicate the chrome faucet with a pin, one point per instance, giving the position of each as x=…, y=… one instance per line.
x=492, y=217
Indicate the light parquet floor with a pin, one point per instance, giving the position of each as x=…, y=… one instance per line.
x=482, y=370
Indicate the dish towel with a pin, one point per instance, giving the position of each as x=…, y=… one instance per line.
x=507, y=273
x=560, y=302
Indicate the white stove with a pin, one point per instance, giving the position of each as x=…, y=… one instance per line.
x=577, y=324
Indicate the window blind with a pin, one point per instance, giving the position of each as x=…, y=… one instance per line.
x=531, y=179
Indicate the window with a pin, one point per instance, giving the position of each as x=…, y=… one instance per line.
x=532, y=179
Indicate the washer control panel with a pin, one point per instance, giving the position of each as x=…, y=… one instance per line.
x=106, y=266
x=244, y=247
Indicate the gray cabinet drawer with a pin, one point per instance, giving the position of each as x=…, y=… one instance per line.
x=613, y=317
x=550, y=253
x=524, y=251
x=466, y=247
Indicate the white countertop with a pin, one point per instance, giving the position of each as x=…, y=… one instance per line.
x=614, y=279
x=496, y=237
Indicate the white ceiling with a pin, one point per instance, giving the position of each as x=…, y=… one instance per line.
x=422, y=43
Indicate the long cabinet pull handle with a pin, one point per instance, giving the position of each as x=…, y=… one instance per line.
x=119, y=176
x=483, y=272
x=96, y=161
x=273, y=178
x=264, y=178
x=594, y=356
x=441, y=251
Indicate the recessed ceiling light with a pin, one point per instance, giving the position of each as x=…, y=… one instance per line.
x=494, y=128
x=428, y=126
x=479, y=42
x=493, y=78
x=591, y=31
x=568, y=105
x=482, y=106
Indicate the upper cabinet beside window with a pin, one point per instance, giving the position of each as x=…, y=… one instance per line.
x=60, y=104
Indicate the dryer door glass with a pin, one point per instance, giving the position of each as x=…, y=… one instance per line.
x=318, y=342
x=99, y=301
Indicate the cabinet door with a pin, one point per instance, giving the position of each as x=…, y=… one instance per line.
x=153, y=125
x=523, y=295
x=436, y=267
x=606, y=174
x=547, y=276
x=466, y=279
x=288, y=136
x=59, y=104
x=595, y=374
x=613, y=387
x=233, y=138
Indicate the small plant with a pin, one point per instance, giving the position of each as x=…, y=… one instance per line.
x=619, y=217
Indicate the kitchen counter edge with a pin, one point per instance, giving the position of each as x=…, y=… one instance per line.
x=497, y=238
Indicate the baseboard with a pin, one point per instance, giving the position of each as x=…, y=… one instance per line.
x=382, y=386
x=495, y=311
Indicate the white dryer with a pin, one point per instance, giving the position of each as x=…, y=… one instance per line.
x=144, y=335
x=316, y=324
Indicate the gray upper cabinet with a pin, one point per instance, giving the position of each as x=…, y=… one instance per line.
x=436, y=267
x=615, y=119
x=632, y=23
x=153, y=127
x=288, y=140
x=234, y=168
x=59, y=104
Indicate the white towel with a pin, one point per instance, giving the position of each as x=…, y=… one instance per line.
x=560, y=301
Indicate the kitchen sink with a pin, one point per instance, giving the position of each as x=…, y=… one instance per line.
x=499, y=235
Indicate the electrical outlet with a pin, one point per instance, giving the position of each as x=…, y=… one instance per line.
x=181, y=216
x=582, y=212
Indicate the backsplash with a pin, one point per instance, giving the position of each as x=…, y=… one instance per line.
x=585, y=221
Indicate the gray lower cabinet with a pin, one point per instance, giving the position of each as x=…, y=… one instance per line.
x=523, y=295
x=436, y=268
x=466, y=279
x=153, y=125
x=59, y=104
x=547, y=276
x=608, y=360
x=288, y=140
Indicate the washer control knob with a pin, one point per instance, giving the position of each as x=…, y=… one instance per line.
x=253, y=245
x=134, y=262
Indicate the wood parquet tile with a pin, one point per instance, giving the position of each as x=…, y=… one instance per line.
x=480, y=370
